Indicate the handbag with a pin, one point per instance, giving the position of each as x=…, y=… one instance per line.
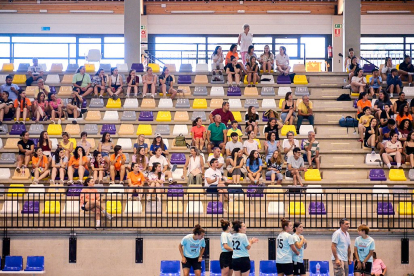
x=195, y=172
x=348, y=122
x=180, y=141
x=79, y=83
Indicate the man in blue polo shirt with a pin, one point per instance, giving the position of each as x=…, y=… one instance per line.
x=216, y=134
x=341, y=249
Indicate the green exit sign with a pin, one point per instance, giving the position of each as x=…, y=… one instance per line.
x=338, y=26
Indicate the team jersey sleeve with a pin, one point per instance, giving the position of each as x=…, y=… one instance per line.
x=203, y=243
x=184, y=242
x=372, y=246
x=245, y=241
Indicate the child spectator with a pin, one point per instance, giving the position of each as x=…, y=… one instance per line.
x=99, y=83
x=274, y=168
x=149, y=83
x=394, y=83
x=78, y=165
x=40, y=106
x=40, y=165
x=82, y=84
x=267, y=60
x=156, y=178
x=66, y=144
x=59, y=166
x=233, y=71
x=295, y=166
x=132, y=82
x=55, y=107
x=21, y=105
x=115, y=84
x=375, y=83
x=288, y=109
x=252, y=72
x=358, y=81
x=234, y=129
x=254, y=167
x=117, y=165
x=99, y=167
x=252, y=120
x=26, y=149
x=235, y=167
x=6, y=107
x=141, y=143
x=403, y=113
x=198, y=133
x=136, y=181
x=393, y=151
x=364, y=122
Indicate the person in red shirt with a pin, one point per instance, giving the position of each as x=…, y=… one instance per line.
x=22, y=104
x=198, y=133
x=224, y=112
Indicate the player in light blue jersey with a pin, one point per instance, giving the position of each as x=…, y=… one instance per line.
x=300, y=244
x=241, y=246
x=191, y=249
x=285, y=247
x=226, y=242
x=363, y=249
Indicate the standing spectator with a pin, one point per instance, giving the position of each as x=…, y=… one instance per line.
x=156, y=178
x=26, y=149
x=66, y=144
x=273, y=125
x=400, y=101
x=40, y=165
x=105, y=146
x=254, y=167
x=252, y=120
x=117, y=165
x=364, y=122
x=141, y=143
x=78, y=166
x=59, y=166
x=312, y=150
x=252, y=70
x=305, y=111
x=73, y=108
x=198, y=133
x=386, y=114
x=394, y=83
x=132, y=83
x=10, y=88
x=379, y=104
x=288, y=109
x=233, y=71
x=22, y=105
x=244, y=41
x=81, y=82
x=266, y=60
x=224, y=112
x=6, y=107
x=295, y=166
x=231, y=145
x=408, y=151
x=136, y=181
x=234, y=129
x=378, y=266
x=167, y=83
x=406, y=70
x=216, y=134
x=35, y=72
x=219, y=157
x=55, y=107
x=84, y=143
x=250, y=144
x=158, y=158
x=352, y=68
x=363, y=249
x=289, y=144
x=235, y=167
x=149, y=82
x=217, y=60
x=274, y=168
x=282, y=61
x=271, y=145
x=99, y=83
x=403, y=113
x=40, y=106
x=393, y=151
x=250, y=53
x=213, y=178
x=341, y=249
x=115, y=84
x=99, y=167
x=194, y=168
x=358, y=81
x=375, y=83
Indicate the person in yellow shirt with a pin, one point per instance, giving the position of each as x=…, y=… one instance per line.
x=305, y=111
x=136, y=180
x=364, y=122
x=234, y=128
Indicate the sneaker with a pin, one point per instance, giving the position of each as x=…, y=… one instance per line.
x=74, y=122
x=100, y=96
x=121, y=182
x=21, y=123
x=59, y=122
x=174, y=167
x=347, y=86
x=391, y=95
x=153, y=96
x=16, y=122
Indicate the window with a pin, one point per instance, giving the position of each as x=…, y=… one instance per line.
x=315, y=47
x=289, y=43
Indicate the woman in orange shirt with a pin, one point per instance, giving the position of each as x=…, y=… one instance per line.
x=117, y=165
x=198, y=132
x=233, y=52
x=21, y=104
x=78, y=165
x=40, y=165
x=403, y=113
x=136, y=180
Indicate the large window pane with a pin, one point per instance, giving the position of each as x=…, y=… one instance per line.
x=114, y=51
x=40, y=50
x=114, y=39
x=5, y=50
x=315, y=47
x=86, y=44
x=382, y=40
x=289, y=43
x=43, y=39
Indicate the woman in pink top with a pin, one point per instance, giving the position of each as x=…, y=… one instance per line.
x=378, y=266
x=198, y=132
x=55, y=106
x=40, y=106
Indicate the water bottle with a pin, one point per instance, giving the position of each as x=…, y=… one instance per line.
x=318, y=268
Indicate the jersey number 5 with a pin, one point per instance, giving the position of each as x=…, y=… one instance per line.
x=280, y=243
x=236, y=245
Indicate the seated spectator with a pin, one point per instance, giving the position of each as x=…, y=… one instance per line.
x=235, y=167
x=10, y=88
x=22, y=105
x=35, y=72
x=358, y=81
x=232, y=144
x=233, y=53
x=214, y=180
x=289, y=144
x=132, y=83
x=117, y=165
x=216, y=134
x=244, y=40
x=386, y=114
x=66, y=144
x=6, y=107
x=252, y=120
x=305, y=111
x=84, y=143
x=375, y=83
x=158, y=158
x=233, y=71
x=406, y=69
x=217, y=59
x=167, y=83
x=379, y=104
x=404, y=128
x=352, y=68
x=82, y=83
x=312, y=150
x=274, y=168
x=136, y=180
x=378, y=266
x=252, y=70
x=26, y=150
x=393, y=151
x=156, y=178
x=288, y=109
x=224, y=112
x=99, y=167
x=158, y=142
x=250, y=53
x=273, y=125
x=198, y=134
x=394, y=83
x=105, y=146
x=234, y=129
x=42, y=87
x=45, y=144
x=220, y=159
x=271, y=114
x=56, y=108
x=386, y=70
x=364, y=122
x=403, y=113
x=149, y=83
x=295, y=166
x=408, y=151
x=271, y=145
x=385, y=131
x=40, y=164
x=115, y=84
x=99, y=83
x=141, y=143
x=400, y=101
x=74, y=106
x=194, y=168
x=40, y=106
x=59, y=166
x=141, y=159
x=254, y=167
x=266, y=60
x=282, y=61
x=78, y=166
x=250, y=144
x=348, y=59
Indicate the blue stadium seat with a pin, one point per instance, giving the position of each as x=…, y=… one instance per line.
x=215, y=268
x=252, y=271
x=322, y=270
x=170, y=268
x=13, y=263
x=203, y=269
x=268, y=268
x=35, y=263
x=351, y=269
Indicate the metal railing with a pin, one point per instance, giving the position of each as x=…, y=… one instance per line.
x=183, y=207
x=377, y=56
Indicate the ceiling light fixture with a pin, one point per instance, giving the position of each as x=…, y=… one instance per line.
x=8, y=11
x=190, y=12
x=90, y=11
x=287, y=12
x=385, y=12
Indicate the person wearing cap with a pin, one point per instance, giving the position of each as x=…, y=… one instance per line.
x=158, y=142
x=216, y=134
x=234, y=129
x=224, y=112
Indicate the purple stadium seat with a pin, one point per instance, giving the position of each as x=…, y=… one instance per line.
x=368, y=67
x=84, y=104
x=74, y=190
x=282, y=79
x=268, y=178
x=302, y=145
x=146, y=116
x=184, y=79
x=264, y=118
x=377, y=175
x=52, y=89
x=30, y=207
x=139, y=67
x=17, y=129
x=175, y=191
x=215, y=208
x=252, y=192
x=35, y=141
x=385, y=208
x=234, y=91
x=110, y=128
x=317, y=208
x=356, y=103
x=178, y=159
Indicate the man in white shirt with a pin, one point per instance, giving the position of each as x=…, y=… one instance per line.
x=341, y=249
x=217, y=155
x=231, y=145
x=214, y=177
x=35, y=72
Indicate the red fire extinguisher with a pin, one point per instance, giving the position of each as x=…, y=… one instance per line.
x=330, y=55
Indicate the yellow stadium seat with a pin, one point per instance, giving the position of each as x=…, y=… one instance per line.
x=181, y=116
x=19, y=79
x=113, y=104
x=258, y=141
x=216, y=103
x=397, y=175
x=367, y=78
x=200, y=104
x=54, y=129
x=67, y=79
x=237, y=116
x=175, y=207
x=56, y=68
x=16, y=190
x=300, y=79
x=31, y=91
x=65, y=90
x=299, y=68
x=236, y=207
x=245, y=80
x=251, y=91
x=201, y=79
x=155, y=67
x=72, y=129
x=114, y=207
x=90, y=68
x=171, y=67
x=73, y=140
x=297, y=208
x=313, y=66
x=126, y=129
x=11, y=143
x=397, y=67
x=163, y=116
x=313, y=175
x=144, y=129
x=287, y=128
x=354, y=94
x=281, y=103
x=405, y=208
x=8, y=67
x=21, y=176
x=51, y=207
x=148, y=103
x=92, y=142
x=93, y=115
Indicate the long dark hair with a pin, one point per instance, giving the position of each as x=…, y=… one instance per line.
x=103, y=137
x=249, y=49
x=57, y=157
x=76, y=154
x=116, y=149
x=351, y=66
x=271, y=120
x=287, y=95
x=154, y=167
x=232, y=47
x=215, y=50
x=386, y=60
x=409, y=136
x=234, y=152
x=252, y=159
x=196, y=120
x=386, y=98
x=39, y=95
x=163, y=72
x=356, y=72
x=42, y=140
x=296, y=225
x=284, y=50
x=95, y=157
x=401, y=126
x=237, y=225
x=99, y=71
x=113, y=69
x=19, y=98
x=401, y=110
x=162, y=145
x=250, y=115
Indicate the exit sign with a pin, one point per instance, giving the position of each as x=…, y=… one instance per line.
x=338, y=26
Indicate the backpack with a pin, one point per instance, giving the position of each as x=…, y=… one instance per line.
x=347, y=122
x=180, y=141
x=344, y=97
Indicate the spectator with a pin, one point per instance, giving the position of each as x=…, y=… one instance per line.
x=216, y=134
x=267, y=60
x=295, y=166
x=348, y=59
x=59, y=166
x=45, y=144
x=378, y=266
x=408, y=151
x=250, y=144
x=358, y=81
x=233, y=71
x=235, y=167
x=132, y=83
x=282, y=61
x=73, y=108
x=99, y=167
x=21, y=105
x=198, y=133
x=379, y=104
x=213, y=179
x=400, y=101
x=99, y=83
x=55, y=107
x=371, y=135
x=403, y=113
x=117, y=165
x=250, y=53
x=42, y=87
x=141, y=143
x=232, y=144
x=288, y=109
x=136, y=181
x=156, y=178
x=289, y=144
x=252, y=120
x=274, y=168
x=158, y=158
x=271, y=145
x=40, y=106
x=35, y=72
x=254, y=167
x=232, y=53
x=394, y=83
x=78, y=165
x=158, y=142
x=386, y=114
x=393, y=151
x=6, y=107
x=271, y=114
x=375, y=83
x=385, y=131
x=364, y=122
x=141, y=159
x=273, y=125
x=40, y=164
x=84, y=143
x=386, y=70
x=167, y=83
x=406, y=70
x=26, y=149
x=245, y=40
x=82, y=83
x=10, y=88
x=217, y=59
x=224, y=113
x=311, y=147
x=352, y=68
x=105, y=146
x=194, y=168
x=66, y=144
x=252, y=70
x=305, y=111
x=115, y=84
x=404, y=128
x=149, y=82
x=217, y=155
x=234, y=129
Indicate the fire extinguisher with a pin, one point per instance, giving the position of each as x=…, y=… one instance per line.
x=330, y=55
